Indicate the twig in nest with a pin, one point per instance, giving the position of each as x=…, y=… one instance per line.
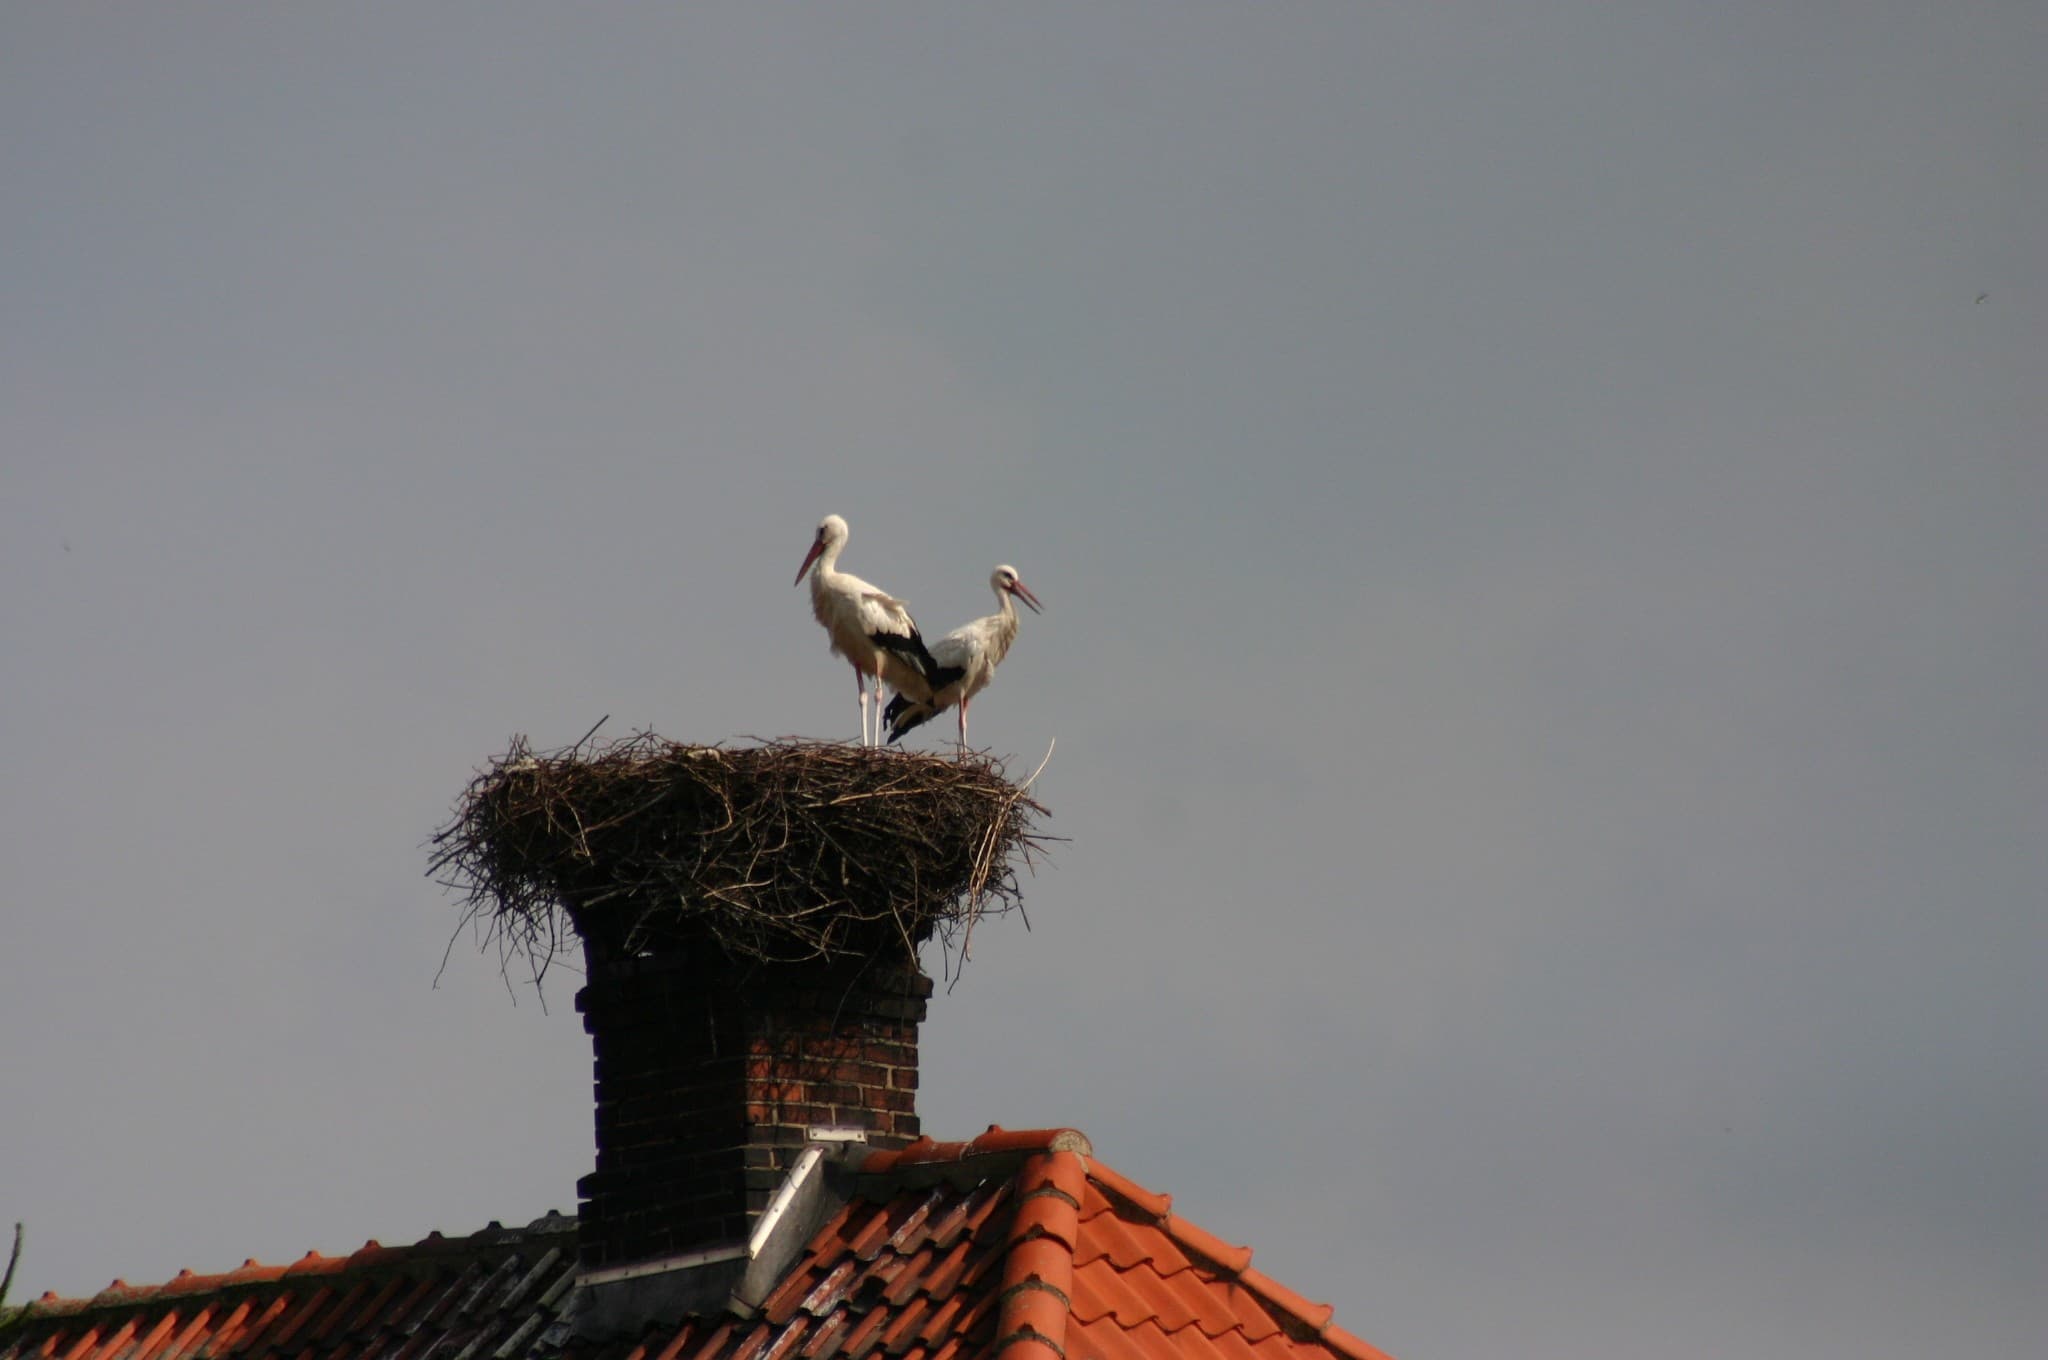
x=985, y=861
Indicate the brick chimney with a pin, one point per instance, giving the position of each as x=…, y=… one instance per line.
x=712, y=1073
x=750, y=919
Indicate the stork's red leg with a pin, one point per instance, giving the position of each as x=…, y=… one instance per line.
x=860, y=693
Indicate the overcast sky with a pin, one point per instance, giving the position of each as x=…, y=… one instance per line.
x=1540, y=512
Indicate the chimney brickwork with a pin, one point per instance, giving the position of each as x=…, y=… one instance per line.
x=710, y=1075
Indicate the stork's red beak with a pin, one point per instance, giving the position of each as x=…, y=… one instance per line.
x=1023, y=592
x=817, y=546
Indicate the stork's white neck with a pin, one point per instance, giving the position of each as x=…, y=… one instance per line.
x=1002, y=627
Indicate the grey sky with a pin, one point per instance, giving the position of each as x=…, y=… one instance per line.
x=1543, y=560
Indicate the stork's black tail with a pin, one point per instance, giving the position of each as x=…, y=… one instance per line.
x=905, y=714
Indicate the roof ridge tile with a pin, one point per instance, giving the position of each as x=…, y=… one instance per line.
x=1037, y=1292
x=313, y=1263
x=997, y=1140
x=1014, y=1343
x=1128, y=1190
x=186, y=1281
x=1043, y=1216
x=1315, y=1316
x=1200, y=1242
x=1352, y=1346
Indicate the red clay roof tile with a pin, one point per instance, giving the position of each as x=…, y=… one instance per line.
x=1124, y=1244
x=825, y=1338
x=263, y=1320
x=1104, y=1296
x=1234, y=1346
x=866, y=1333
x=292, y=1319
x=189, y=1335
x=947, y=1273
x=712, y=1344
x=784, y=1342
x=749, y=1344
x=147, y=1342
x=912, y=1235
x=116, y=1343
x=945, y=1321
x=896, y=1336
x=1256, y=1323
x=981, y=1207
x=872, y=1238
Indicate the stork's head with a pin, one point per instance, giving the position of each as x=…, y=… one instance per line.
x=1006, y=580
x=831, y=538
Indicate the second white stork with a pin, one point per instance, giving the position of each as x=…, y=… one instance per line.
x=967, y=659
x=869, y=627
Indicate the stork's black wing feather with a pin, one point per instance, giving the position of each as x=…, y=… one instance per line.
x=913, y=650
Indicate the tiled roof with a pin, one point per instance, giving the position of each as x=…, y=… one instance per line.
x=493, y=1293
x=1014, y=1246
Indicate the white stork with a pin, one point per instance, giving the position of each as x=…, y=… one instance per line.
x=869, y=627
x=967, y=659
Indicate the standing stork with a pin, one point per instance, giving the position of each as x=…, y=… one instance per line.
x=967, y=659
x=869, y=627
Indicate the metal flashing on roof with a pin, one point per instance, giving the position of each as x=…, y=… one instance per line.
x=734, y=1277
x=666, y=1265
x=814, y=1190
x=785, y=1195
x=623, y=1299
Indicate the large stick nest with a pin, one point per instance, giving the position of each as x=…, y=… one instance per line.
x=786, y=851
